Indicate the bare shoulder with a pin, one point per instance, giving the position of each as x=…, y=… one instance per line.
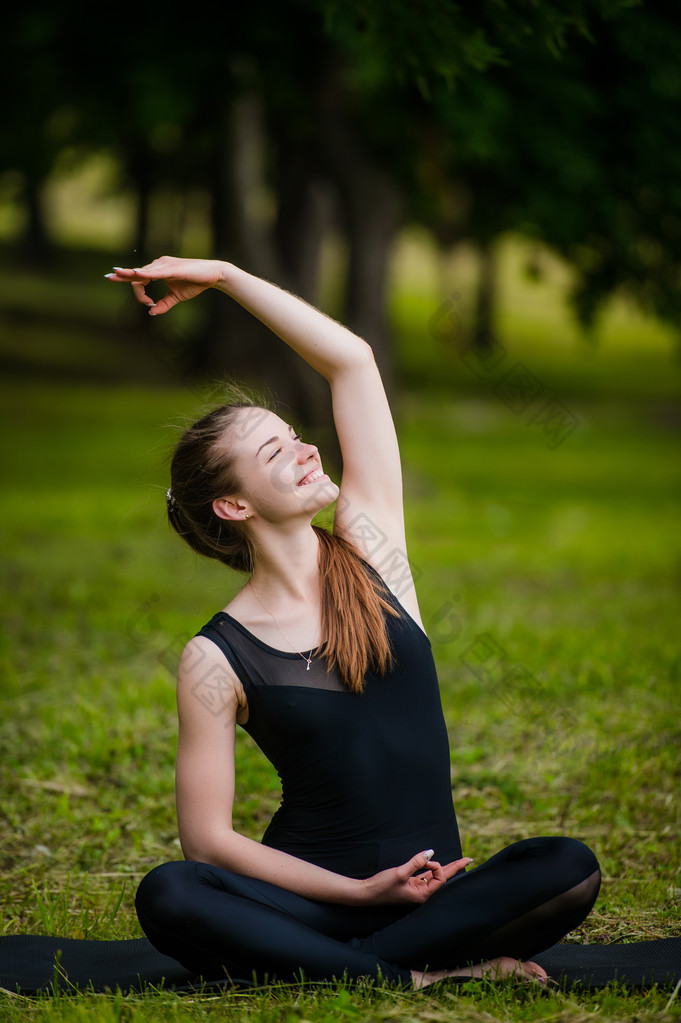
x=208, y=689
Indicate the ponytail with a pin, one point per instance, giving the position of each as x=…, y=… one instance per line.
x=354, y=603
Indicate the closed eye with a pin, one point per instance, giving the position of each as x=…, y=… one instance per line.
x=295, y=436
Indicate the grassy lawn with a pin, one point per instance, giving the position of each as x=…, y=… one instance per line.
x=547, y=576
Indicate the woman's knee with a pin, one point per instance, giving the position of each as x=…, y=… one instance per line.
x=567, y=861
x=165, y=892
x=577, y=867
x=557, y=853
x=578, y=858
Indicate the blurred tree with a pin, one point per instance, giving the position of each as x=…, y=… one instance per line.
x=35, y=122
x=626, y=231
x=438, y=96
x=582, y=153
x=413, y=103
x=357, y=116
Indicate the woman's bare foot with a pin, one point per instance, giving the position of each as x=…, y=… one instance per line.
x=493, y=969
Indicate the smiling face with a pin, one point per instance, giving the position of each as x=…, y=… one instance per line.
x=281, y=476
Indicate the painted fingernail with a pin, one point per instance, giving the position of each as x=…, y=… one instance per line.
x=119, y=268
x=109, y=275
x=428, y=852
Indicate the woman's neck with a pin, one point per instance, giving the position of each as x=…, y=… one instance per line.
x=286, y=564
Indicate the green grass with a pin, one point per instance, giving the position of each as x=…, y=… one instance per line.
x=564, y=560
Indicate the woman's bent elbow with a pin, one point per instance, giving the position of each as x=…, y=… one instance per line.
x=211, y=848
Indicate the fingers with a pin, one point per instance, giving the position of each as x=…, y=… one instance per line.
x=437, y=873
x=453, y=868
x=122, y=273
x=156, y=270
x=423, y=859
x=428, y=881
x=432, y=879
x=418, y=862
x=422, y=883
x=140, y=294
x=163, y=305
x=139, y=279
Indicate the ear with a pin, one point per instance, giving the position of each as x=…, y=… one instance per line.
x=231, y=509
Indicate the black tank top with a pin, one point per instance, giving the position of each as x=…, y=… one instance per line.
x=365, y=776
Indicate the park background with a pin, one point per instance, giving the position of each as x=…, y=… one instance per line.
x=489, y=193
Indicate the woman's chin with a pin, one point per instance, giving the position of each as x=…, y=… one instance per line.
x=319, y=494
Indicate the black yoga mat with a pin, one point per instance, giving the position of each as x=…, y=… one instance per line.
x=34, y=964
x=638, y=965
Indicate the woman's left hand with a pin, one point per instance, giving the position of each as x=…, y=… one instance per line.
x=404, y=884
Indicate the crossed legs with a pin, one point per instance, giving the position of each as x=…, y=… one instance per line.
x=517, y=903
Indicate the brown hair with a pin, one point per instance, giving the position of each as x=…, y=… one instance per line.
x=355, y=637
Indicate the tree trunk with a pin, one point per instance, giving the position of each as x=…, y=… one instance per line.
x=141, y=237
x=286, y=253
x=35, y=245
x=304, y=214
x=484, y=335
x=140, y=171
x=374, y=217
x=372, y=206
x=139, y=166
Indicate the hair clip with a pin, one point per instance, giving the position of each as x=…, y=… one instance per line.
x=172, y=503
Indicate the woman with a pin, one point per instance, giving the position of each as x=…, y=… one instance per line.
x=360, y=872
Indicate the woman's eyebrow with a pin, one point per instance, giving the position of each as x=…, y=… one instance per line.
x=290, y=430
x=265, y=445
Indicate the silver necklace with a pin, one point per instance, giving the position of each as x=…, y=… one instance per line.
x=267, y=611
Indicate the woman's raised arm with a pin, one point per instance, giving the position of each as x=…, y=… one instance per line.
x=326, y=345
x=369, y=509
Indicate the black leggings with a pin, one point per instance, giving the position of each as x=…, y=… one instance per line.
x=519, y=902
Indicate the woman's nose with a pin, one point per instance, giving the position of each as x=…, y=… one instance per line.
x=306, y=452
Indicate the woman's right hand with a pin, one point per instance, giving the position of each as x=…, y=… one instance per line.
x=404, y=884
x=185, y=279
